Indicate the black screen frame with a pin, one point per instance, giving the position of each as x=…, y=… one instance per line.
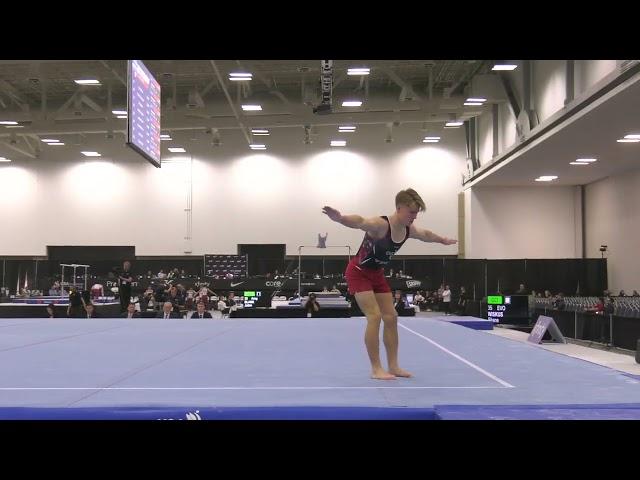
x=130, y=144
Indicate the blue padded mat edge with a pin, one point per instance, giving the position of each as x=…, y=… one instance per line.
x=227, y=413
x=539, y=412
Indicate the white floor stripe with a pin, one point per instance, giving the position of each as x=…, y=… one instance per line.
x=4, y=389
x=472, y=365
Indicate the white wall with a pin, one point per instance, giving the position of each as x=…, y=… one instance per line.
x=549, y=87
x=519, y=222
x=468, y=233
x=506, y=132
x=485, y=137
x=239, y=196
x=613, y=219
x=516, y=79
x=589, y=72
x=507, y=125
x=549, y=92
x=20, y=205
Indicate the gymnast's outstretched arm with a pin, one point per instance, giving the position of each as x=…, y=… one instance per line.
x=374, y=225
x=429, y=236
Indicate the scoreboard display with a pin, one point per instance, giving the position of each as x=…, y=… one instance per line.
x=511, y=309
x=250, y=298
x=143, y=112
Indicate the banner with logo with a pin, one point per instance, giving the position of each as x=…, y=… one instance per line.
x=221, y=265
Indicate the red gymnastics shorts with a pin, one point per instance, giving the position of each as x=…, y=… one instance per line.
x=365, y=279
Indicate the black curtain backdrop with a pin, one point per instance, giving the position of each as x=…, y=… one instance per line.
x=263, y=258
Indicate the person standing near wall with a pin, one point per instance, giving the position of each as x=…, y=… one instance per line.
x=76, y=304
x=125, y=278
x=446, y=300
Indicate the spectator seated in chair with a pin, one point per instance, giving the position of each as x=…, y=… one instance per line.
x=419, y=300
x=598, y=309
x=91, y=311
x=400, y=303
x=131, y=312
x=168, y=312
x=225, y=306
x=55, y=290
x=201, y=312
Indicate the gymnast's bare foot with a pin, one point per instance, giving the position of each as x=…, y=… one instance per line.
x=399, y=372
x=381, y=375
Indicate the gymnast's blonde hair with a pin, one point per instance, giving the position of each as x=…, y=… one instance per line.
x=411, y=199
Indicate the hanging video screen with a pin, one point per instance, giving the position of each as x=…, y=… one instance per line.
x=143, y=112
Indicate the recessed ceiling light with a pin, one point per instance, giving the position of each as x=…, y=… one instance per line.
x=259, y=131
x=8, y=122
x=4, y=160
x=475, y=104
x=476, y=99
x=88, y=82
x=634, y=136
x=121, y=116
x=251, y=108
x=578, y=163
x=347, y=128
x=258, y=146
x=628, y=140
x=119, y=112
x=430, y=141
x=338, y=143
x=50, y=140
x=587, y=160
x=177, y=150
x=240, y=77
x=91, y=154
x=165, y=137
x=432, y=138
x=453, y=124
x=14, y=126
x=56, y=143
x=504, y=67
x=351, y=103
x=546, y=178
x=358, y=71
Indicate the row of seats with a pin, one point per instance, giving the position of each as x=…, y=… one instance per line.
x=627, y=307
x=623, y=306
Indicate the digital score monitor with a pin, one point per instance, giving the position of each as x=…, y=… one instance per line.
x=143, y=112
x=508, y=308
